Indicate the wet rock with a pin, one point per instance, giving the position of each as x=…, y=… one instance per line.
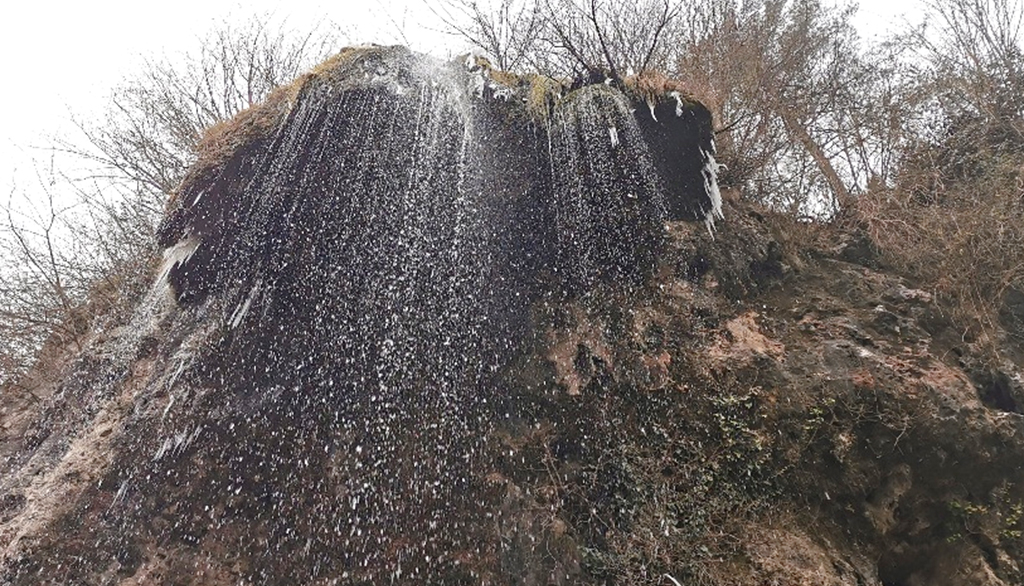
x=421, y=332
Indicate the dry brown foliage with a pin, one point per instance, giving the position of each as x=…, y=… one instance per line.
x=651, y=86
x=966, y=244
x=223, y=139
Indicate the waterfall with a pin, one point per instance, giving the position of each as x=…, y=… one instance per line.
x=606, y=197
x=353, y=269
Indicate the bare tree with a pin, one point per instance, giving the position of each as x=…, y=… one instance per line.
x=600, y=36
x=566, y=37
x=157, y=117
x=81, y=241
x=507, y=31
x=779, y=77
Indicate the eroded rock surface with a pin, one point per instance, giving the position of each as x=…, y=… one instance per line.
x=421, y=332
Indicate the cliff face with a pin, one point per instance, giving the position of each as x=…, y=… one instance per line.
x=419, y=323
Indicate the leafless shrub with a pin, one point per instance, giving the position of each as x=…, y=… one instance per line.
x=954, y=216
x=80, y=243
x=566, y=38
x=41, y=285
x=157, y=117
x=970, y=252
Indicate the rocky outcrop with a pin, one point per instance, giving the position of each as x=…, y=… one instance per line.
x=758, y=418
x=424, y=326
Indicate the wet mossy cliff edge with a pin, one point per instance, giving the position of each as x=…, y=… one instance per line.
x=430, y=323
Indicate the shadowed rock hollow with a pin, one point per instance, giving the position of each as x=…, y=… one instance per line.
x=416, y=323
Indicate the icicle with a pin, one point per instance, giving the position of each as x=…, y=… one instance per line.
x=613, y=134
x=679, y=106
x=177, y=255
x=710, y=174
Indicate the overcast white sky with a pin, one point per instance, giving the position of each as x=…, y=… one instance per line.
x=60, y=58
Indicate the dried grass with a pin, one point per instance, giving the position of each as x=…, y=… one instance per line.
x=651, y=86
x=540, y=92
x=223, y=140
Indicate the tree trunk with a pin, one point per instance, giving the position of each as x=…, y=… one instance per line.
x=798, y=131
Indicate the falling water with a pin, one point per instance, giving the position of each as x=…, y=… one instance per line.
x=606, y=197
x=350, y=283
x=362, y=314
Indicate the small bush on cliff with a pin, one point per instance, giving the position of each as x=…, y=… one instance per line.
x=953, y=215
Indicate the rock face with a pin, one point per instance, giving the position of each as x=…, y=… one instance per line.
x=417, y=322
